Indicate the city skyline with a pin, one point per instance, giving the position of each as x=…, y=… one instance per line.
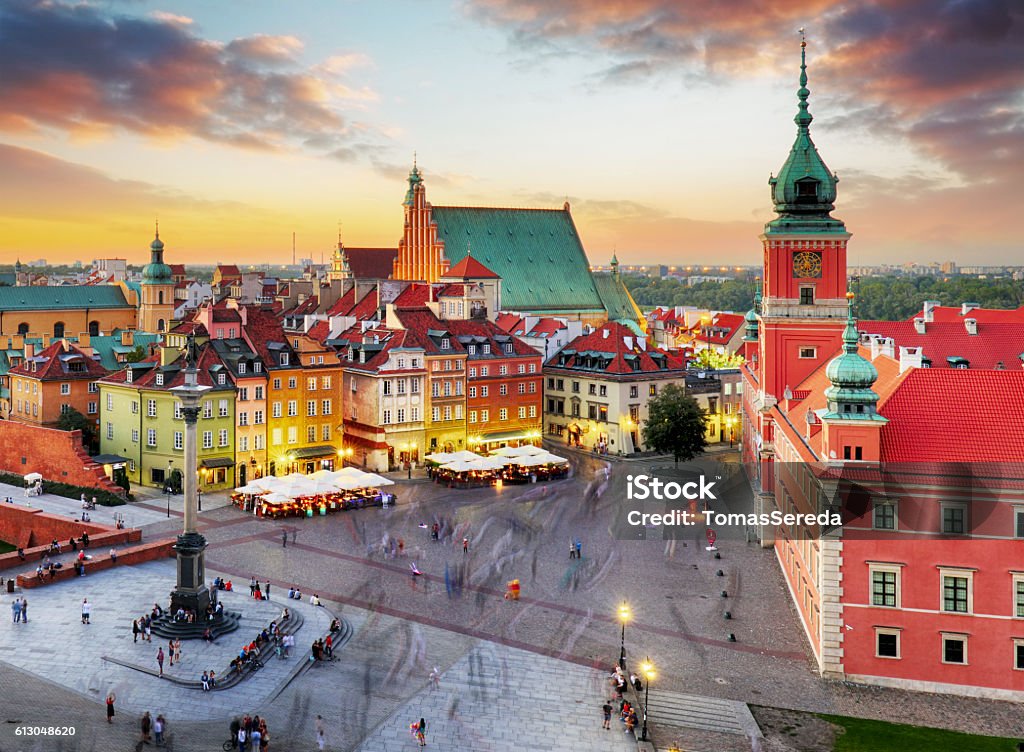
x=237, y=131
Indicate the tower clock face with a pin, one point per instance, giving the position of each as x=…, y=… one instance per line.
x=807, y=265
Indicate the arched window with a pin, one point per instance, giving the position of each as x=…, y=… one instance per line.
x=159, y=325
x=23, y=328
x=160, y=296
x=94, y=328
x=58, y=329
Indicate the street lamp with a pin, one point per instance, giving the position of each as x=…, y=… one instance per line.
x=345, y=453
x=647, y=669
x=624, y=616
x=167, y=486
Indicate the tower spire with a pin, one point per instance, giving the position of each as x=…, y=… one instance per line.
x=803, y=117
x=158, y=228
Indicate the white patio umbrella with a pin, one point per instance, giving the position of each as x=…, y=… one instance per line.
x=439, y=457
x=531, y=461
x=321, y=474
x=250, y=488
x=460, y=466
x=277, y=498
x=33, y=477
x=268, y=483
x=372, y=480
x=349, y=484
x=463, y=454
x=349, y=471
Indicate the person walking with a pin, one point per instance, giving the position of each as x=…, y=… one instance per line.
x=421, y=732
x=607, y=708
x=579, y=548
x=24, y=609
x=16, y=610
x=160, y=660
x=177, y=650
x=572, y=549
x=135, y=631
x=144, y=726
x=86, y=610
x=206, y=682
x=266, y=590
x=252, y=587
x=170, y=651
x=465, y=545
x=284, y=539
x=320, y=733
x=159, y=725
x=110, y=707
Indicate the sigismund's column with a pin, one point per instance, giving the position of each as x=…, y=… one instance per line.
x=191, y=592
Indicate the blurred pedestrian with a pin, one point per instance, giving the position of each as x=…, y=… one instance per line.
x=110, y=707
x=158, y=729
x=86, y=610
x=160, y=660
x=144, y=726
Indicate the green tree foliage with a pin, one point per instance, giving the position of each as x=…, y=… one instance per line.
x=137, y=354
x=676, y=424
x=712, y=360
x=878, y=298
x=73, y=420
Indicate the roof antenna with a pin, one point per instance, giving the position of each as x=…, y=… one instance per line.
x=414, y=159
x=469, y=251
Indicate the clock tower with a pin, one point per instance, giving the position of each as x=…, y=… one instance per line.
x=804, y=306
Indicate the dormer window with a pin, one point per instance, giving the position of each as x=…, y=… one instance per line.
x=471, y=349
x=221, y=379
x=807, y=191
x=487, y=349
x=446, y=343
x=241, y=367
x=128, y=376
x=159, y=379
x=257, y=367
x=508, y=347
x=284, y=359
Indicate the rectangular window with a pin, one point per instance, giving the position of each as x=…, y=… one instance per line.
x=887, y=643
x=135, y=405
x=241, y=368
x=883, y=515
x=275, y=437
x=292, y=382
x=485, y=416
x=151, y=408
x=885, y=587
x=472, y=392
x=177, y=411
x=653, y=390
x=310, y=434
x=954, y=649
x=1018, y=655
x=207, y=409
x=415, y=414
x=179, y=440
x=533, y=387
x=159, y=379
x=401, y=415
x=503, y=414
x=293, y=408
x=435, y=414
x=310, y=408
x=484, y=390
x=243, y=419
x=311, y=384
x=325, y=407
x=135, y=435
x=257, y=418
x=956, y=593
x=93, y=408
x=458, y=412
x=592, y=389
x=458, y=388
x=387, y=417
x=806, y=296
x=326, y=432
x=533, y=411
x=603, y=413
x=275, y=409
x=447, y=412
x=484, y=370
x=435, y=389
x=277, y=383
x=472, y=416
x=293, y=435
x=503, y=389
x=634, y=391
x=387, y=386
x=954, y=519
x=65, y=388
x=472, y=373
x=150, y=436
x=522, y=412
x=207, y=439
x=243, y=443
x=447, y=389
x=447, y=365
x=243, y=394
x=522, y=388
x=110, y=430
x=414, y=385
x=1018, y=596
x=502, y=370
x=808, y=352
x=222, y=408
x=222, y=437
x=259, y=392
x=400, y=384
x=1018, y=523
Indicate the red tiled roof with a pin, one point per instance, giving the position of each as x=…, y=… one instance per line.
x=722, y=328
x=371, y=263
x=191, y=327
x=309, y=305
x=319, y=331
x=344, y=304
x=470, y=268
x=993, y=343
x=452, y=291
x=175, y=376
x=228, y=270
x=953, y=415
x=509, y=322
x=366, y=308
x=53, y=364
x=987, y=315
x=610, y=340
x=413, y=296
x=177, y=270
x=261, y=327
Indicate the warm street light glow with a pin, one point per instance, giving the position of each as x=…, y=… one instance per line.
x=624, y=613
x=647, y=668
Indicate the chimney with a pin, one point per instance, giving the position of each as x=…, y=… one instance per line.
x=46, y=341
x=966, y=308
x=641, y=343
x=888, y=346
x=971, y=325
x=84, y=340
x=30, y=350
x=929, y=310
x=911, y=357
x=628, y=342
x=919, y=325
x=604, y=334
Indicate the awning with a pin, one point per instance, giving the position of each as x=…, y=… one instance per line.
x=506, y=436
x=109, y=459
x=218, y=462
x=309, y=453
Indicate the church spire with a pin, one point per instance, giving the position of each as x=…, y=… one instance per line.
x=803, y=117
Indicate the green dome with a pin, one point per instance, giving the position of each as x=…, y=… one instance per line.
x=804, y=191
x=156, y=272
x=852, y=376
x=415, y=178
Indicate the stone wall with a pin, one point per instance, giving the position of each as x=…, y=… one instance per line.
x=134, y=555
x=34, y=529
x=57, y=455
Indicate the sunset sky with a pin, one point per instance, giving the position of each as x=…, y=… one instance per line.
x=660, y=121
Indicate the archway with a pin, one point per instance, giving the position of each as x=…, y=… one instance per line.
x=94, y=328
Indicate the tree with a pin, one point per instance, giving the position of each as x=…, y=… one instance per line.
x=676, y=424
x=72, y=420
x=712, y=360
x=137, y=354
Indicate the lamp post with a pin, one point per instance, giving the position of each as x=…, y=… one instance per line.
x=647, y=669
x=167, y=486
x=345, y=453
x=624, y=615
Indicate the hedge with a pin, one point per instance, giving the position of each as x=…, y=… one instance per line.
x=104, y=498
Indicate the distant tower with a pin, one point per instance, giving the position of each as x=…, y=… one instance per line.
x=804, y=306
x=420, y=253
x=340, y=268
x=156, y=303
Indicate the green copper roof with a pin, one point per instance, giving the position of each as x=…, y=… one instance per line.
x=156, y=272
x=852, y=376
x=536, y=252
x=415, y=178
x=804, y=192
x=61, y=298
x=108, y=346
x=616, y=298
x=751, y=331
